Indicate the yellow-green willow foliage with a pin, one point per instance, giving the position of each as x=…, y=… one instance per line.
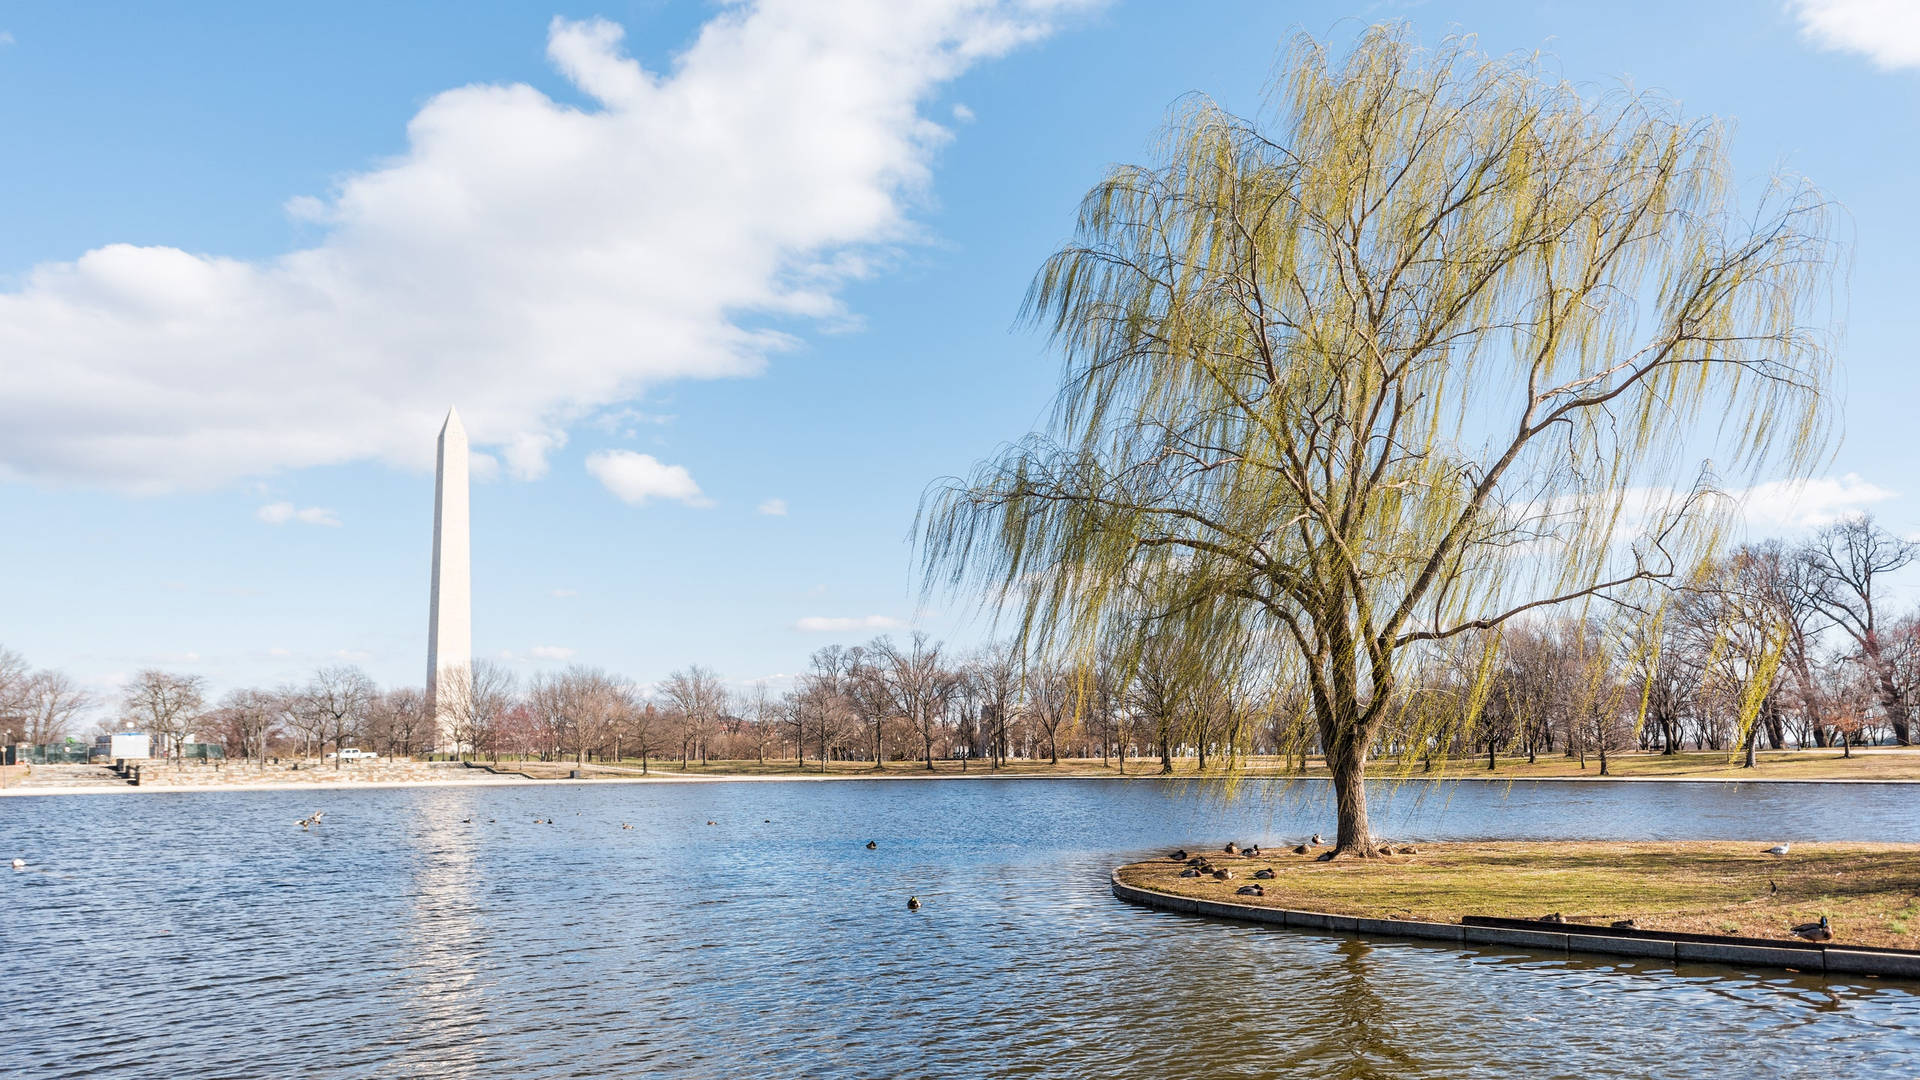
x=1438, y=342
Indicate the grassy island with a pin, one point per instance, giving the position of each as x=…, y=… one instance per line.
x=1870, y=892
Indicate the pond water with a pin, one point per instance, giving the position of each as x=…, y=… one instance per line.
x=206, y=935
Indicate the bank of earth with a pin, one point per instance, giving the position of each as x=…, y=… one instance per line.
x=1870, y=893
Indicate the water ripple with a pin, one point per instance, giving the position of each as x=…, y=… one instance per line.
x=207, y=937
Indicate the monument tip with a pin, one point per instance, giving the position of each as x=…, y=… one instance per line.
x=452, y=422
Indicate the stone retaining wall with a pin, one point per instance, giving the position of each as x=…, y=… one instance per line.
x=1825, y=959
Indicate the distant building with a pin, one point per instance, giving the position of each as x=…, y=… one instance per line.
x=123, y=744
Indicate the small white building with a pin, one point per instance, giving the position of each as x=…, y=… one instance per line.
x=123, y=744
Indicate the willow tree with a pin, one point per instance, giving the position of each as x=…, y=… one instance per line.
x=1436, y=342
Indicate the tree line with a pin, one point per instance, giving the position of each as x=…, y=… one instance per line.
x=1773, y=646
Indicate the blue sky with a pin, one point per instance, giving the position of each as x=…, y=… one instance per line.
x=254, y=251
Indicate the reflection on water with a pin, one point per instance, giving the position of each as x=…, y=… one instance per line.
x=211, y=937
x=1358, y=1037
x=440, y=1015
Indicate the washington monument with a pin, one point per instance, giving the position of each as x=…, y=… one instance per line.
x=450, y=623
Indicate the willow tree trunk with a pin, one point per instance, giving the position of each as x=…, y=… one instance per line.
x=1346, y=748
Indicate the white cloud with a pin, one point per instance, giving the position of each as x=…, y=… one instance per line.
x=962, y=114
x=635, y=478
x=1887, y=31
x=532, y=260
x=551, y=652
x=6, y=37
x=1808, y=503
x=822, y=624
x=279, y=513
x=772, y=508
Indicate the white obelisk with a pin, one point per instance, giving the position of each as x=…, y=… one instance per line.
x=450, y=625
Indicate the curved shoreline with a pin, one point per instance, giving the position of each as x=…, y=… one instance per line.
x=1645, y=945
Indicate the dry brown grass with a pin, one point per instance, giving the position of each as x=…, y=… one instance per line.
x=1871, y=892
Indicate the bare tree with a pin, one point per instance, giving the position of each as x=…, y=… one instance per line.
x=995, y=672
x=296, y=712
x=698, y=697
x=1848, y=563
x=165, y=705
x=339, y=698
x=14, y=674
x=472, y=701
x=401, y=715
x=51, y=700
x=646, y=729
x=250, y=716
x=868, y=699
x=910, y=682
x=1050, y=702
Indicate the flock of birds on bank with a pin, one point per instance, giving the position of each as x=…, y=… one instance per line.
x=1199, y=866
x=1202, y=865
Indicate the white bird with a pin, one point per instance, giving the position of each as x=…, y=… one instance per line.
x=19, y=864
x=1777, y=849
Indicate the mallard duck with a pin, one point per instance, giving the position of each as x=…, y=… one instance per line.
x=1231, y=848
x=1250, y=890
x=1300, y=849
x=1189, y=872
x=1264, y=875
x=1625, y=924
x=871, y=844
x=1252, y=852
x=913, y=903
x=1554, y=917
x=1814, y=931
x=1178, y=856
x=1385, y=849
x=1222, y=874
